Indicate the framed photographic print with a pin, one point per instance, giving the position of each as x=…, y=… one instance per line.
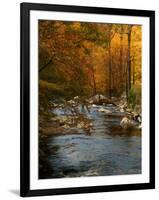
x=87, y=99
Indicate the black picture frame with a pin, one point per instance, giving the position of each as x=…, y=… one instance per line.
x=25, y=9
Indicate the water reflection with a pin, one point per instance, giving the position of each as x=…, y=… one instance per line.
x=107, y=150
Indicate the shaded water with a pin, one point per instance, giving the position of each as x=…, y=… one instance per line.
x=106, y=150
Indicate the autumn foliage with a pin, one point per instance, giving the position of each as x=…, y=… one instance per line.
x=79, y=58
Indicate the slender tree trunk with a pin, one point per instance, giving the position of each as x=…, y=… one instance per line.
x=126, y=83
x=110, y=37
x=128, y=67
x=129, y=58
x=113, y=75
x=121, y=58
x=94, y=83
x=110, y=69
x=133, y=66
x=109, y=62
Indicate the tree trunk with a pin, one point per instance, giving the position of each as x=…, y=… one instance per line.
x=94, y=83
x=110, y=37
x=126, y=84
x=133, y=76
x=121, y=58
x=129, y=58
x=110, y=69
x=109, y=58
x=128, y=67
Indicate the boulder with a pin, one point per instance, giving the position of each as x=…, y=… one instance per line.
x=66, y=126
x=137, y=117
x=60, y=119
x=122, y=110
x=80, y=125
x=104, y=110
x=76, y=98
x=71, y=102
x=140, y=127
x=100, y=99
x=126, y=123
x=94, y=106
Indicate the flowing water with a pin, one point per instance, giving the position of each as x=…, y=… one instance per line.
x=106, y=149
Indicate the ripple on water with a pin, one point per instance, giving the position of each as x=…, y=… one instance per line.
x=101, y=153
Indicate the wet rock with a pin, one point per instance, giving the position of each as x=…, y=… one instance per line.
x=139, y=119
x=76, y=98
x=139, y=127
x=63, y=119
x=84, y=125
x=136, y=117
x=122, y=110
x=66, y=126
x=109, y=104
x=94, y=106
x=122, y=105
x=129, y=110
x=61, y=106
x=90, y=101
x=99, y=99
x=71, y=102
x=104, y=110
x=60, y=119
x=81, y=125
x=114, y=99
x=127, y=123
x=54, y=105
x=88, y=126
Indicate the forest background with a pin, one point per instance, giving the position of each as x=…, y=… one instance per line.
x=85, y=59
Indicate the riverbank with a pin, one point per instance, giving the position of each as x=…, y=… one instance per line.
x=108, y=149
x=73, y=115
x=100, y=121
